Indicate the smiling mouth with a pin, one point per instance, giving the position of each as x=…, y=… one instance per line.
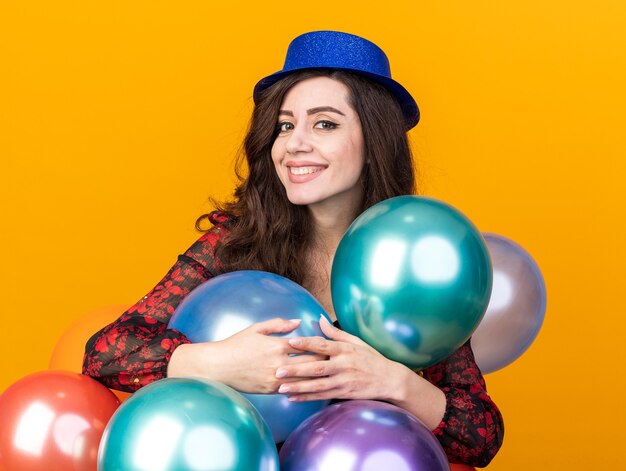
x=304, y=170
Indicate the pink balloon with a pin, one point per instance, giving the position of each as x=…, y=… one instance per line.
x=516, y=308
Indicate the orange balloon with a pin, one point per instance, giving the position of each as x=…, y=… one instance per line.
x=70, y=348
x=54, y=420
x=121, y=395
x=461, y=467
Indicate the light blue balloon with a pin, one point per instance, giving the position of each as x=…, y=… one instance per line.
x=231, y=302
x=411, y=277
x=183, y=424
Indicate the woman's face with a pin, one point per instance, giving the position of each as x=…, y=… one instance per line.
x=318, y=153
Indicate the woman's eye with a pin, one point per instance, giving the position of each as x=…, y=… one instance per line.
x=284, y=126
x=325, y=125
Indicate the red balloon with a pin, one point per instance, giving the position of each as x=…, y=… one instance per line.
x=461, y=467
x=53, y=421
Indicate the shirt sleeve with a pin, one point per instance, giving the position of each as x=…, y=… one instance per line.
x=135, y=350
x=472, y=429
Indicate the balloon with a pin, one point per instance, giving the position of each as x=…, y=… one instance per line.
x=516, y=309
x=187, y=423
x=70, y=348
x=362, y=436
x=461, y=467
x=412, y=278
x=229, y=303
x=53, y=421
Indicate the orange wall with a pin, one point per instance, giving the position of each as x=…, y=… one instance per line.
x=119, y=119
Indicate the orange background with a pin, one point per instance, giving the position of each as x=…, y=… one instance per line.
x=119, y=119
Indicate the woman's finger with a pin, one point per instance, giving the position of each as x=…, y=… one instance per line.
x=317, y=385
x=307, y=370
x=305, y=358
x=316, y=345
x=334, y=333
x=276, y=326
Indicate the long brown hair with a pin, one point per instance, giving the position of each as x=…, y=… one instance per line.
x=271, y=233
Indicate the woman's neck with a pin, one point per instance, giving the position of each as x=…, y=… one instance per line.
x=329, y=228
x=332, y=217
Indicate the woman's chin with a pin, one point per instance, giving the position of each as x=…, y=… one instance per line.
x=302, y=200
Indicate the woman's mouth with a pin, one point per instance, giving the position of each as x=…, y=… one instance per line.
x=304, y=173
x=304, y=170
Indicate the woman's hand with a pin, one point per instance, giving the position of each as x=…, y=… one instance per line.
x=246, y=361
x=354, y=370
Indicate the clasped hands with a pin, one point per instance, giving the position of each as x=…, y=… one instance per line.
x=344, y=367
x=304, y=368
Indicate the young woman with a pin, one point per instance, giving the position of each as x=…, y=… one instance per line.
x=327, y=140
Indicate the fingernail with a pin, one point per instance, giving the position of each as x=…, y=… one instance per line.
x=281, y=373
x=284, y=388
x=295, y=342
x=322, y=318
x=295, y=321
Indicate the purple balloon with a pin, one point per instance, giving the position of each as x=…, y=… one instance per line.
x=362, y=436
x=516, y=309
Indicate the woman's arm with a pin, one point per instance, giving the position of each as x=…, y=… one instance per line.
x=135, y=349
x=246, y=361
x=472, y=428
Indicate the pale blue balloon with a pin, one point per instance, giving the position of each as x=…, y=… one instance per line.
x=229, y=303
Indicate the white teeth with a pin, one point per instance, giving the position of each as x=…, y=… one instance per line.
x=304, y=170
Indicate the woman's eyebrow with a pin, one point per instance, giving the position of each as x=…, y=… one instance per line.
x=318, y=109
x=321, y=109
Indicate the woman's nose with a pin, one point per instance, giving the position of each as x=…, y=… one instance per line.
x=298, y=141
